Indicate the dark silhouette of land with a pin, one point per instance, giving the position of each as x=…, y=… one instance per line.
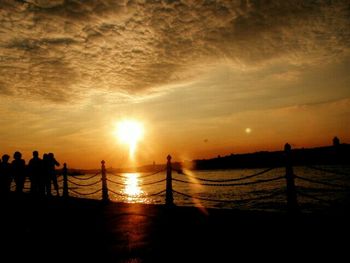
x=338, y=154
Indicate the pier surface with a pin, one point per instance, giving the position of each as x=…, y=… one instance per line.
x=87, y=230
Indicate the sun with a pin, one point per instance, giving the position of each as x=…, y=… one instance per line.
x=129, y=132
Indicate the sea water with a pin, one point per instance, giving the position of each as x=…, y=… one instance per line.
x=191, y=188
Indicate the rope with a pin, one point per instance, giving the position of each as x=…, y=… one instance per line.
x=226, y=180
x=247, y=183
x=158, y=193
x=139, y=177
x=315, y=198
x=156, y=182
x=323, y=190
x=142, y=196
x=114, y=192
x=78, y=193
x=326, y=170
x=114, y=182
x=75, y=177
x=147, y=175
x=320, y=182
x=84, y=184
x=226, y=201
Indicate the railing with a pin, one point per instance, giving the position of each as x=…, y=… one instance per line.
x=74, y=185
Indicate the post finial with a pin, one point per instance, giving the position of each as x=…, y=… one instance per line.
x=168, y=157
x=102, y=162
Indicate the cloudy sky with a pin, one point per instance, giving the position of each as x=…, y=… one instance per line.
x=204, y=77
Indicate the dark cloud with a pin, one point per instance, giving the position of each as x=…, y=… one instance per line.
x=61, y=49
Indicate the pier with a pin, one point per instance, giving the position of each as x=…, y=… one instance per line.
x=82, y=230
x=71, y=227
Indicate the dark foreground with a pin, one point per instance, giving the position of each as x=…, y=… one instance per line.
x=87, y=230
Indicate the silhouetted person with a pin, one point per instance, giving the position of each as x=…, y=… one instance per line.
x=18, y=170
x=35, y=169
x=46, y=173
x=5, y=175
x=52, y=162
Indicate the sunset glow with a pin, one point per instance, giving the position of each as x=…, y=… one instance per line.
x=196, y=79
x=129, y=132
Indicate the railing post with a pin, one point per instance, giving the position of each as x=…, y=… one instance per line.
x=65, y=181
x=104, y=182
x=292, y=202
x=169, y=200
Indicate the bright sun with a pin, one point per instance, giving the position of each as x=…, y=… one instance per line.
x=129, y=132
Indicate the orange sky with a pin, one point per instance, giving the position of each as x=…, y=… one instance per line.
x=196, y=74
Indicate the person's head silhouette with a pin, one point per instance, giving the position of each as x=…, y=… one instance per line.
x=36, y=154
x=17, y=155
x=5, y=158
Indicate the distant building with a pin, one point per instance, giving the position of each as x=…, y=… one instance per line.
x=336, y=141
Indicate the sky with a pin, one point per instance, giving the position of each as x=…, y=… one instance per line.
x=204, y=77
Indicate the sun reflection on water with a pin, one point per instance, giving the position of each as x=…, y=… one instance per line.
x=132, y=188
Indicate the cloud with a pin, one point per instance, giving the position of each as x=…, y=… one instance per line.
x=60, y=50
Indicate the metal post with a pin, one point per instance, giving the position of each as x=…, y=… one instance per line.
x=104, y=182
x=169, y=200
x=65, y=181
x=292, y=202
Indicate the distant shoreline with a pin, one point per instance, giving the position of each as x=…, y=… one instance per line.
x=325, y=155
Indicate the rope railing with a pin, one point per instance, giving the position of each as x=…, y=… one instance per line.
x=323, y=190
x=235, y=184
x=226, y=180
x=156, y=182
x=85, y=194
x=114, y=182
x=227, y=201
x=192, y=179
x=326, y=170
x=329, y=202
x=144, y=184
x=60, y=180
x=140, y=176
x=83, y=178
x=321, y=182
x=138, y=196
x=94, y=183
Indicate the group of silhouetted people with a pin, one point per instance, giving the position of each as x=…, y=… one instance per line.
x=41, y=173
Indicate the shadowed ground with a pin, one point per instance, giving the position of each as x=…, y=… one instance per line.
x=88, y=230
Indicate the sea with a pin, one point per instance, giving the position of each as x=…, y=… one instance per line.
x=318, y=188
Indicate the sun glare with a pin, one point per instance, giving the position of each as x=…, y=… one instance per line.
x=248, y=130
x=132, y=188
x=129, y=132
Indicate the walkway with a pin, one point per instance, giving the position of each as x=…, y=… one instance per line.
x=85, y=230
